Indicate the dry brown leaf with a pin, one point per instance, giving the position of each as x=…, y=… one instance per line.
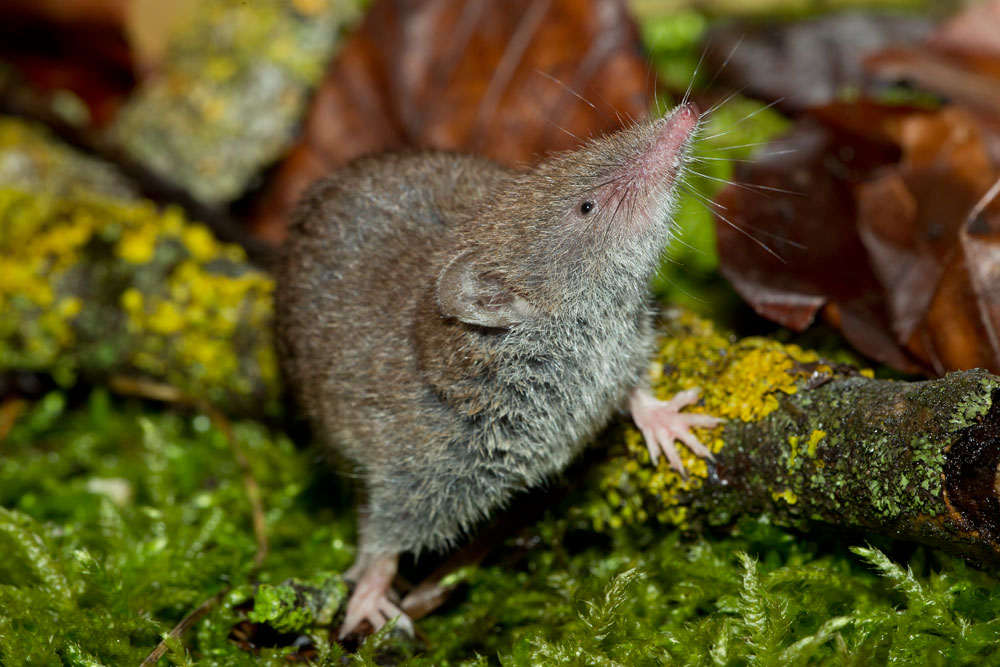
x=499, y=78
x=899, y=232
x=914, y=219
x=814, y=262
x=959, y=61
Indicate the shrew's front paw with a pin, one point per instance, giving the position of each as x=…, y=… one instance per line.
x=662, y=422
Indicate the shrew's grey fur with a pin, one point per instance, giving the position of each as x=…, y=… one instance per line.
x=460, y=331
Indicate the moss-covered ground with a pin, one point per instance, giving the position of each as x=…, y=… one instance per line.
x=119, y=517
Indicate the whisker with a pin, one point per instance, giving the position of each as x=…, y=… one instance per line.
x=694, y=75
x=568, y=89
x=607, y=182
x=614, y=216
x=726, y=61
x=675, y=237
x=706, y=202
x=728, y=148
x=675, y=285
x=687, y=188
x=753, y=238
x=745, y=118
x=752, y=187
x=557, y=125
x=787, y=151
x=705, y=159
x=725, y=100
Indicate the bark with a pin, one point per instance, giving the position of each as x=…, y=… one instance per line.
x=916, y=460
x=808, y=440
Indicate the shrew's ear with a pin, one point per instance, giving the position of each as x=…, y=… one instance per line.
x=468, y=293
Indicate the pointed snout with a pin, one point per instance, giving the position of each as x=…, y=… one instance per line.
x=678, y=126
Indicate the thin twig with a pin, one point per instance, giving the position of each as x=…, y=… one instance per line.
x=249, y=483
x=10, y=410
x=184, y=625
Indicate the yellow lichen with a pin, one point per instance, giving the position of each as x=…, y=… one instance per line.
x=200, y=242
x=197, y=322
x=787, y=495
x=738, y=379
x=165, y=318
x=793, y=449
x=137, y=245
x=310, y=7
x=814, y=439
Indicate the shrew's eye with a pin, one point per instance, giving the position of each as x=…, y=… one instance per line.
x=586, y=207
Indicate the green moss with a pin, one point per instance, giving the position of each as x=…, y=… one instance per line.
x=117, y=522
x=758, y=596
x=295, y=606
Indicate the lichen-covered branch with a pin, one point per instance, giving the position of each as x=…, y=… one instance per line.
x=95, y=287
x=97, y=282
x=810, y=441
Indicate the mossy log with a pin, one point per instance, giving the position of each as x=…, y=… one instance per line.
x=915, y=460
x=807, y=440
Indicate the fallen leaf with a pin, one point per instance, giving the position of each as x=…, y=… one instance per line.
x=936, y=266
x=883, y=220
x=509, y=80
x=959, y=61
x=786, y=235
x=802, y=64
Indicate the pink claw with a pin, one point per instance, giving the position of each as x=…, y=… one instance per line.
x=370, y=600
x=662, y=422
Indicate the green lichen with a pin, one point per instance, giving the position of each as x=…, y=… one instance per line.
x=295, y=606
x=33, y=161
x=805, y=441
x=973, y=411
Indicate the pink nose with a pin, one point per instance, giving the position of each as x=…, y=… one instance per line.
x=690, y=110
x=686, y=117
x=674, y=131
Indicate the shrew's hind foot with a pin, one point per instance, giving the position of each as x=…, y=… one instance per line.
x=370, y=599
